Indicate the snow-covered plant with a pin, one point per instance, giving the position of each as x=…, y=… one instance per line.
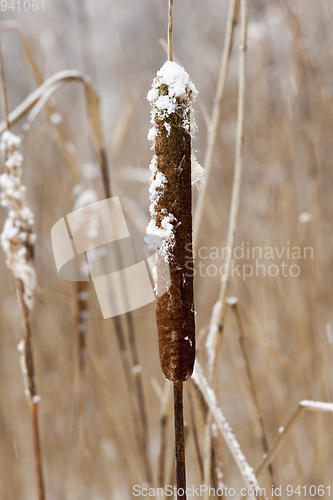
x=171, y=98
x=17, y=238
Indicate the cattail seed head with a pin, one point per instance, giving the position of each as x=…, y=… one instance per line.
x=171, y=97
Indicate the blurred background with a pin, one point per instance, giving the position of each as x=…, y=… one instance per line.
x=87, y=424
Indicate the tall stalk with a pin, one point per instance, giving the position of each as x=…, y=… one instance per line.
x=171, y=219
x=17, y=241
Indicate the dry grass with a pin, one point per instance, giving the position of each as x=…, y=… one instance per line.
x=95, y=440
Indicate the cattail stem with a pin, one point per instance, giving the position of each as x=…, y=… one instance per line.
x=179, y=440
x=171, y=97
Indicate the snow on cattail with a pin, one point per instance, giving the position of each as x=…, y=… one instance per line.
x=17, y=238
x=171, y=96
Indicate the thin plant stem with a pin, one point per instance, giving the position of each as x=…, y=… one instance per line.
x=297, y=414
x=215, y=119
x=81, y=290
x=138, y=385
x=170, y=27
x=201, y=104
x=235, y=197
x=33, y=407
x=291, y=423
x=179, y=440
x=166, y=407
x=27, y=352
x=252, y=386
x=195, y=430
x=4, y=103
x=209, y=396
x=134, y=387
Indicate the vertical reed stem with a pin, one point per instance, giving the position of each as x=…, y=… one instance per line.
x=170, y=24
x=179, y=440
x=28, y=356
x=4, y=103
x=33, y=406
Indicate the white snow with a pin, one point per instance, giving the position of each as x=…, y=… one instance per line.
x=157, y=186
x=90, y=170
x=197, y=173
x=21, y=346
x=189, y=340
x=171, y=84
x=232, y=301
x=170, y=87
x=84, y=296
x=166, y=232
x=136, y=369
x=317, y=405
x=224, y=427
x=211, y=339
x=17, y=236
x=176, y=78
x=329, y=333
x=9, y=141
x=23, y=364
x=85, y=197
x=305, y=217
x=56, y=118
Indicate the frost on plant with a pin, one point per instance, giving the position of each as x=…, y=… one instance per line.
x=247, y=471
x=170, y=194
x=171, y=89
x=211, y=340
x=17, y=238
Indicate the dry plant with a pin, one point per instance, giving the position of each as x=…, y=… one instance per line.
x=17, y=241
x=263, y=344
x=171, y=219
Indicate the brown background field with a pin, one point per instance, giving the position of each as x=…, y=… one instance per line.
x=287, y=172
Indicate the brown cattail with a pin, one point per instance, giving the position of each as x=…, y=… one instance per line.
x=171, y=218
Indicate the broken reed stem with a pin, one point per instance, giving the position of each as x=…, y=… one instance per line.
x=209, y=396
x=252, y=386
x=297, y=414
x=51, y=108
x=291, y=423
x=215, y=119
x=218, y=315
x=236, y=188
x=170, y=27
x=179, y=440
